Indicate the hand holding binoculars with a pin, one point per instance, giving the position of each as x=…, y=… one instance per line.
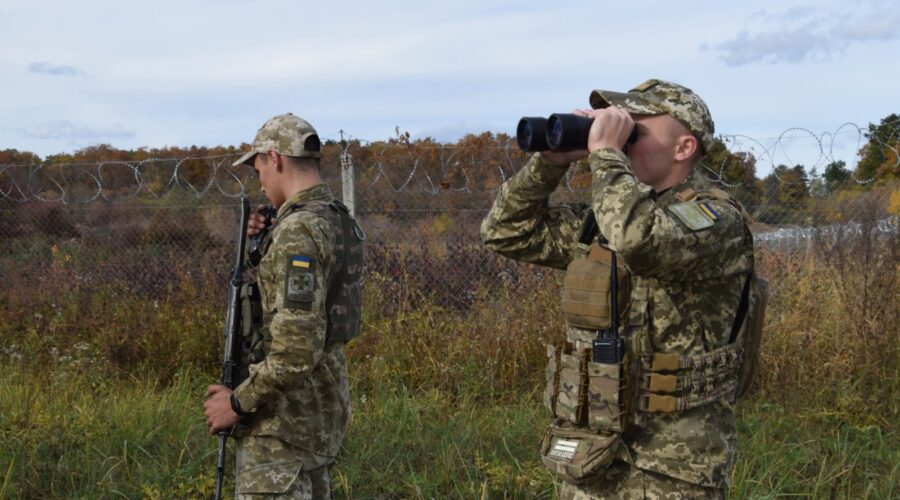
x=559, y=132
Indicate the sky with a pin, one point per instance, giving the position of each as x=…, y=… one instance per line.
x=210, y=72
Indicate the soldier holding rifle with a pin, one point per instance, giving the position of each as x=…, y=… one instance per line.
x=291, y=406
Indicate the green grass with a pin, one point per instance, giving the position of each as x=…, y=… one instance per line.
x=89, y=437
x=812, y=454
x=101, y=394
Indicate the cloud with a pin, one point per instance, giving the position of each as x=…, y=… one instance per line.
x=67, y=131
x=45, y=68
x=809, y=34
x=777, y=47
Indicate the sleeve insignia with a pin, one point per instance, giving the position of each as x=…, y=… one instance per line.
x=299, y=282
x=695, y=215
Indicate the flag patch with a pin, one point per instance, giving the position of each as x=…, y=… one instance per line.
x=692, y=215
x=301, y=261
x=710, y=211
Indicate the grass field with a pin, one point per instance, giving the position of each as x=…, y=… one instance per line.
x=102, y=388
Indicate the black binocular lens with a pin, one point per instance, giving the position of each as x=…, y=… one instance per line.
x=531, y=134
x=559, y=132
x=568, y=132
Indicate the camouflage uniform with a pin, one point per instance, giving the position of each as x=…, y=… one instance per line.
x=296, y=389
x=685, y=290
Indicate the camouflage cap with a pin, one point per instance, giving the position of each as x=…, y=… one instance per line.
x=655, y=97
x=286, y=134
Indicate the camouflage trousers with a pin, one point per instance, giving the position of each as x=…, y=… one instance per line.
x=623, y=481
x=267, y=468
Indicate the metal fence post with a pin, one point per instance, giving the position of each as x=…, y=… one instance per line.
x=347, y=177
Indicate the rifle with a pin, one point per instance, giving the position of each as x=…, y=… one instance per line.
x=232, y=333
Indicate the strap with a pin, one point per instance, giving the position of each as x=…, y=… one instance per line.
x=338, y=280
x=589, y=228
x=694, y=381
x=741, y=315
x=687, y=194
x=669, y=362
x=659, y=403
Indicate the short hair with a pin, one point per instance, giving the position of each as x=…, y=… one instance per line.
x=303, y=161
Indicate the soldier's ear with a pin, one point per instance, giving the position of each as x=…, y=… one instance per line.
x=685, y=147
x=275, y=159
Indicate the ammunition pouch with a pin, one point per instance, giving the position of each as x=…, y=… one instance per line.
x=588, y=401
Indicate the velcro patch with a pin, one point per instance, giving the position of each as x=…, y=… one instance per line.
x=693, y=215
x=563, y=449
x=299, y=282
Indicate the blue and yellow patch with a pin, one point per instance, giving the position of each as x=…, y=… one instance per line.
x=709, y=210
x=301, y=261
x=695, y=215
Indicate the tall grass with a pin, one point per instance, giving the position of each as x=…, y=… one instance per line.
x=102, y=386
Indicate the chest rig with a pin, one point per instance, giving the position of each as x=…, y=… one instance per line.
x=343, y=300
x=608, y=375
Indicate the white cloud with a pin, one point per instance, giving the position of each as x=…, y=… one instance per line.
x=46, y=68
x=75, y=134
x=809, y=34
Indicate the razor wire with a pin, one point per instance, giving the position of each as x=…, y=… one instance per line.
x=397, y=166
x=152, y=222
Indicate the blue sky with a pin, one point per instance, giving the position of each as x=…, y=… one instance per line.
x=209, y=72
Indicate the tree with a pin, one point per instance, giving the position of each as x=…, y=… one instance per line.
x=836, y=175
x=736, y=170
x=878, y=158
x=785, y=195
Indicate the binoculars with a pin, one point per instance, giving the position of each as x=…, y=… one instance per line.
x=559, y=132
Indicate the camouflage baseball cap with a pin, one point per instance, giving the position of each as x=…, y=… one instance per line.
x=655, y=97
x=286, y=134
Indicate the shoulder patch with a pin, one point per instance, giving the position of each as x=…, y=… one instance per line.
x=299, y=282
x=694, y=215
x=709, y=210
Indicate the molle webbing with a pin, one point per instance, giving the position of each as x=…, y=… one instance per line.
x=676, y=383
x=586, y=293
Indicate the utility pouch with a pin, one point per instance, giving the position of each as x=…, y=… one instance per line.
x=606, y=397
x=586, y=290
x=577, y=455
x=570, y=398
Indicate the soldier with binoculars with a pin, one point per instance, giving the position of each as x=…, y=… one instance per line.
x=657, y=266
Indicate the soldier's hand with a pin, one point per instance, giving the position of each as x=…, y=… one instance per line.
x=610, y=129
x=217, y=408
x=257, y=222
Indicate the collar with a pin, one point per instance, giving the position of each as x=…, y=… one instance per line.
x=319, y=192
x=685, y=190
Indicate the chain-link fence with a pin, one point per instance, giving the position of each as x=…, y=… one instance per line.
x=147, y=226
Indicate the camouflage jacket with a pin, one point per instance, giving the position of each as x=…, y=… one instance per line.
x=299, y=389
x=686, y=287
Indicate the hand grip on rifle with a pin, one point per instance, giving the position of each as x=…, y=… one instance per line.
x=268, y=213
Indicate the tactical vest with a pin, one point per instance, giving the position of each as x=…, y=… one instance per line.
x=595, y=398
x=343, y=300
